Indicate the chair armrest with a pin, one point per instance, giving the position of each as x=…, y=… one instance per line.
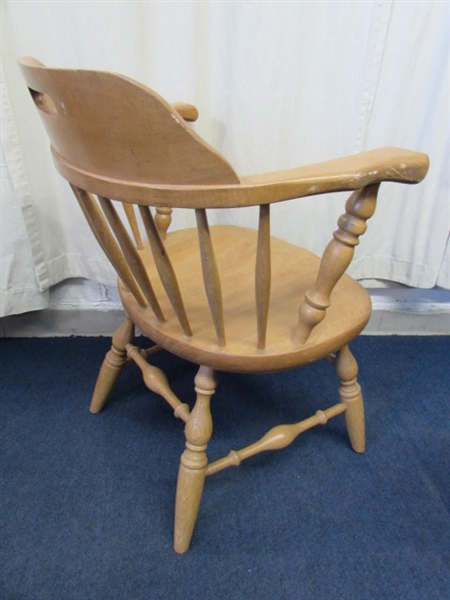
x=343, y=174
x=187, y=111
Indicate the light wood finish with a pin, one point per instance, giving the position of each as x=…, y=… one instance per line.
x=188, y=111
x=336, y=258
x=226, y=298
x=276, y=438
x=294, y=271
x=163, y=220
x=263, y=274
x=340, y=175
x=156, y=381
x=107, y=139
x=131, y=216
x=350, y=394
x=112, y=366
x=192, y=472
x=131, y=256
x=165, y=269
x=211, y=275
x=181, y=170
x=98, y=224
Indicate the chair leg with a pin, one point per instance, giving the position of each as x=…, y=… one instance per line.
x=112, y=365
x=191, y=475
x=350, y=394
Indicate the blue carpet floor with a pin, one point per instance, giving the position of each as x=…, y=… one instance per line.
x=87, y=501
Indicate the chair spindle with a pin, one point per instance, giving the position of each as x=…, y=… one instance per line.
x=210, y=274
x=263, y=274
x=336, y=258
x=163, y=220
x=165, y=269
x=131, y=255
x=107, y=241
x=131, y=216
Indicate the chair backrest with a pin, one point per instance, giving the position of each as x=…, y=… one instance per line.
x=112, y=127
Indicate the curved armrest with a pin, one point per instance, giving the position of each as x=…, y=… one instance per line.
x=343, y=174
x=340, y=175
x=187, y=111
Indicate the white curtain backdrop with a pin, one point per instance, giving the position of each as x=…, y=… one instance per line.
x=278, y=84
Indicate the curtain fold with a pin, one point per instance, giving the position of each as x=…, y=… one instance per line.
x=277, y=84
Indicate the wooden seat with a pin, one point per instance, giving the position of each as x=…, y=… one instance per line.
x=225, y=298
x=294, y=271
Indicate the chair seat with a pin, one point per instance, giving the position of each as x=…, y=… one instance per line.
x=294, y=271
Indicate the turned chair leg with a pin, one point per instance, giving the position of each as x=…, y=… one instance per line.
x=350, y=394
x=112, y=365
x=191, y=475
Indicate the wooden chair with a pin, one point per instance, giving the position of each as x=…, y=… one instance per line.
x=225, y=298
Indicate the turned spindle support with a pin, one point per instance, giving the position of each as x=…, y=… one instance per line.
x=115, y=360
x=336, y=258
x=350, y=394
x=163, y=219
x=156, y=381
x=276, y=438
x=192, y=472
